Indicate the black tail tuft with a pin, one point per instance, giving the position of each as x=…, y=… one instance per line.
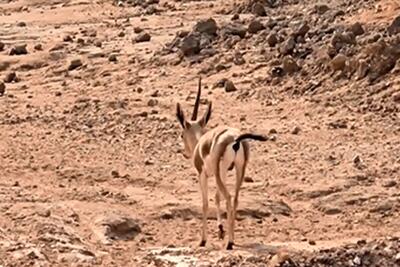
x=256, y=137
x=245, y=136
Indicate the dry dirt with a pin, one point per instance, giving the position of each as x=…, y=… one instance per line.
x=91, y=170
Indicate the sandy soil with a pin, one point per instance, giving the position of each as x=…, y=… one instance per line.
x=81, y=149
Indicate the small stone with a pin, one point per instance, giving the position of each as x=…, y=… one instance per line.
x=394, y=28
x=258, y=9
x=390, y=183
x=235, y=16
x=362, y=69
x=273, y=131
x=190, y=45
x=338, y=62
x=38, y=47
x=19, y=50
x=229, y=86
x=21, y=24
x=80, y=41
x=288, y=46
x=2, y=88
x=396, y=97
x=115, y=174
x=112, y=58
x=272, y=39
x=332, y=210
x=255, y=26
x=357, y=260
x=74, y=64
x=357, y=160
x=289, y=65
x=312, y=242
x=10, y=77
x=58, y=93
x=208, y=26
x=142, y=37
x=137, y=30
x=235, y=29
x=121, y=34
x=357, y=29
x=302, y=30
x=296, y=130
x=98, y=43
x=321, y=9
x=152, y=102
x=248, y=179
x=44, y=213
x=67, y=38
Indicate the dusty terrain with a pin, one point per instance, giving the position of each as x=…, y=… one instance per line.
x=91, y=170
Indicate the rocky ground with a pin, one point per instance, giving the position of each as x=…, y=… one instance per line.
x=92, y=173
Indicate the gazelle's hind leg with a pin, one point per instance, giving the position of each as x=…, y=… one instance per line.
x=221, y=232
x=204, y=194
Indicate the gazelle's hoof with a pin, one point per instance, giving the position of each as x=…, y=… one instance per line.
x=229, y=246
x=202, y=243
x=221, y=233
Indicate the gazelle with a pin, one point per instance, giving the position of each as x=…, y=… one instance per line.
x=214, y=152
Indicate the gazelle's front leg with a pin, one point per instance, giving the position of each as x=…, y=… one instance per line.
x=204, y=194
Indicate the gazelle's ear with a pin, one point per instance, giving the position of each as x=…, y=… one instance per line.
x=207, y=115
x=179, y=115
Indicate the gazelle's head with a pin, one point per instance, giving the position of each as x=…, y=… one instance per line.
x=194, y=128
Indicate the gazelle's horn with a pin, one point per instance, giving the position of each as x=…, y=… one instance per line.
x=197, y=102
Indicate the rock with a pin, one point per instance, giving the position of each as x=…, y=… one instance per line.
x=272, y=39
x=38, y=47
x=394, y=28
x=2, y=88
x=190, y=45
x=116, y=227
x=152, y=102
x=289, y=65
x=288, y=46
x=137, y=30
x=362, y=69
x=21, y=24
x=301, y=30
x=229, y=86
x=258, y=9
x=19, y=50
x=321, y=9
x=273, y=131
x=235, y=29
x=121, y=34
x=74, y=64
x=390, y=183
x=112, y=58
x=67, y=38
x=2, y=45
x=340, y=39
x=312, y=242
x=248, y=179
x=238, y=59
x=338, y=62
x=235, y=16
x=10, y=77
x=98, y=43
x=383, y=207
x=142, y=37
x=331, y=210
x=396, y=97
x=255, y=26
x=357, y=29
x=207, y=26
x=295, y=130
